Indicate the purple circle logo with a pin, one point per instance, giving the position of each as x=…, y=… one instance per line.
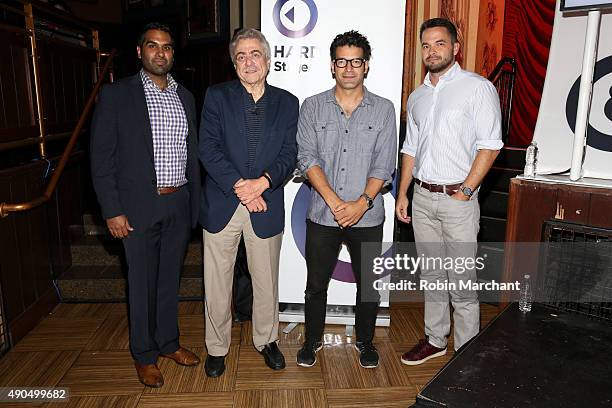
x=343, y=271
x=295, y=18
x=299, y=212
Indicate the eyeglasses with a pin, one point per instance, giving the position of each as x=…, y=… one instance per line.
x=343, y=62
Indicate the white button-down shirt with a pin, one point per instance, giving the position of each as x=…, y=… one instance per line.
x=448, y=124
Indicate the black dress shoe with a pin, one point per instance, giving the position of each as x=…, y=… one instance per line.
x=214, y=366
x=273, y=356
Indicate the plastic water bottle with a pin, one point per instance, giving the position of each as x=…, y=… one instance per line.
x=531, y=159
x=526, y=295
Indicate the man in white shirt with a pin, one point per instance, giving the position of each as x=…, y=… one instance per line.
x=453, y=136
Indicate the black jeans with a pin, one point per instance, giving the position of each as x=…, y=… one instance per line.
x=322, y=247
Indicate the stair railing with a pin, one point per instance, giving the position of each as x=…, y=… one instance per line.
x=5, y=208
x=503, y=77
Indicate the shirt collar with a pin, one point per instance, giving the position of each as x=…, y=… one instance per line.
x=248, y=95
x=448, y=75
x=148, y=82
x=367, y=98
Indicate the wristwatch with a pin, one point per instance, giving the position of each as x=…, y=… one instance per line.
x=468, y=192
x=368, y=199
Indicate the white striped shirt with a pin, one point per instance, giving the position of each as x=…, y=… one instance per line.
x=448, y=124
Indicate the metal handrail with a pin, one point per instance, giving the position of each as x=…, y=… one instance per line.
x=6, y=209
x=505, y=61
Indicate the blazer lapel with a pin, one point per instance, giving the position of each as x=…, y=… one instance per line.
x=238, y=117
x=142, y=112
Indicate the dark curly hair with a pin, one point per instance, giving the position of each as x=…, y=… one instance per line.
x=439, y=22
x=154, y=26
x=351, y=38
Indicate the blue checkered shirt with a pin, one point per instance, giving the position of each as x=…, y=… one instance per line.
x=169, y=127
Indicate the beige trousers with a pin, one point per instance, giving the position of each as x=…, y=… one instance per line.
x=445, y=227
x=219, y=258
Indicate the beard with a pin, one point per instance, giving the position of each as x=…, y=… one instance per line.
x=157, y=69
x=441, y=65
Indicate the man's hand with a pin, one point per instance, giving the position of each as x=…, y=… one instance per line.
x=459, y=196
x=349, y=213
x=401, y=209
x=249, y=190
x=333, y=205
x=257, y=205
x=119, y=226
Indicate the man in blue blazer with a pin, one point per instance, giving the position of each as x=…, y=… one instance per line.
x=248, y=148
x=145, y=171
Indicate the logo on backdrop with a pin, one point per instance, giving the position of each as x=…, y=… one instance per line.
x=299, y=213
x=295, y=18
x=599, y=138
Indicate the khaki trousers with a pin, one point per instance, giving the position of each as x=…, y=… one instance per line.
x=445, y=227
x=219, y=258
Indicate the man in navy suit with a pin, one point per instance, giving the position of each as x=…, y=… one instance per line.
x=248, y=148
x=146, y=175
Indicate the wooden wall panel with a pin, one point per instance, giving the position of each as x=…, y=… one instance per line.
x=599, y=210
x=574, y=205
x=17, y=119
x=35, y=244
x=67, y=78
x=28, y=258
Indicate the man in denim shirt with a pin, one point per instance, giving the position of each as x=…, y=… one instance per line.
x=346, y=148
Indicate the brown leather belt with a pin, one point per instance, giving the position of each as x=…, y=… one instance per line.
x=449, y=189
x=167, y=190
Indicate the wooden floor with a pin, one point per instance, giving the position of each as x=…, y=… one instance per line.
x=85, y=347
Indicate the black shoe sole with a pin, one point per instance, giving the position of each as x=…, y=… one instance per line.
x=272, y=366
x=214, y=375
x=364, y=366
x=315, y=360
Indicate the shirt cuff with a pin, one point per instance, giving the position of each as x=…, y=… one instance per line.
x=380, y=174
x=306, y=163
x=409, y=150
x=493, y=144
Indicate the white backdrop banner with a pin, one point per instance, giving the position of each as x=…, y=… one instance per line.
x=554, y=130
x=300, y=33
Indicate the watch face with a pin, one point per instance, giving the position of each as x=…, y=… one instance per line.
x=467, y=191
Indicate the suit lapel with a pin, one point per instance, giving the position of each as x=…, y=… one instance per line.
x=142, y=112
x=238, y=116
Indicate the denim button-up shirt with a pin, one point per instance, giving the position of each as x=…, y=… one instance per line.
x=348, y=150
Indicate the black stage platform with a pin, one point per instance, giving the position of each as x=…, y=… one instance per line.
x=545, y=358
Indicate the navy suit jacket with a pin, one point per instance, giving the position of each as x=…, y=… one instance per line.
x=224, y=155
x=122, y=163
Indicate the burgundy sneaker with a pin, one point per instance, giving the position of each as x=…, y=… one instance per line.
x=422, y=352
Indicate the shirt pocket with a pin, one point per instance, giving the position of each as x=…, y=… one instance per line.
x=367, y=134
x=452, y=122
x=328, y=138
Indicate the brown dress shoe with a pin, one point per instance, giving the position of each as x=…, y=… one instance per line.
x=183, y=356
x=149, y=375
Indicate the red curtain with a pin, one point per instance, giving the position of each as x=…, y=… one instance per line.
x=527, y=34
